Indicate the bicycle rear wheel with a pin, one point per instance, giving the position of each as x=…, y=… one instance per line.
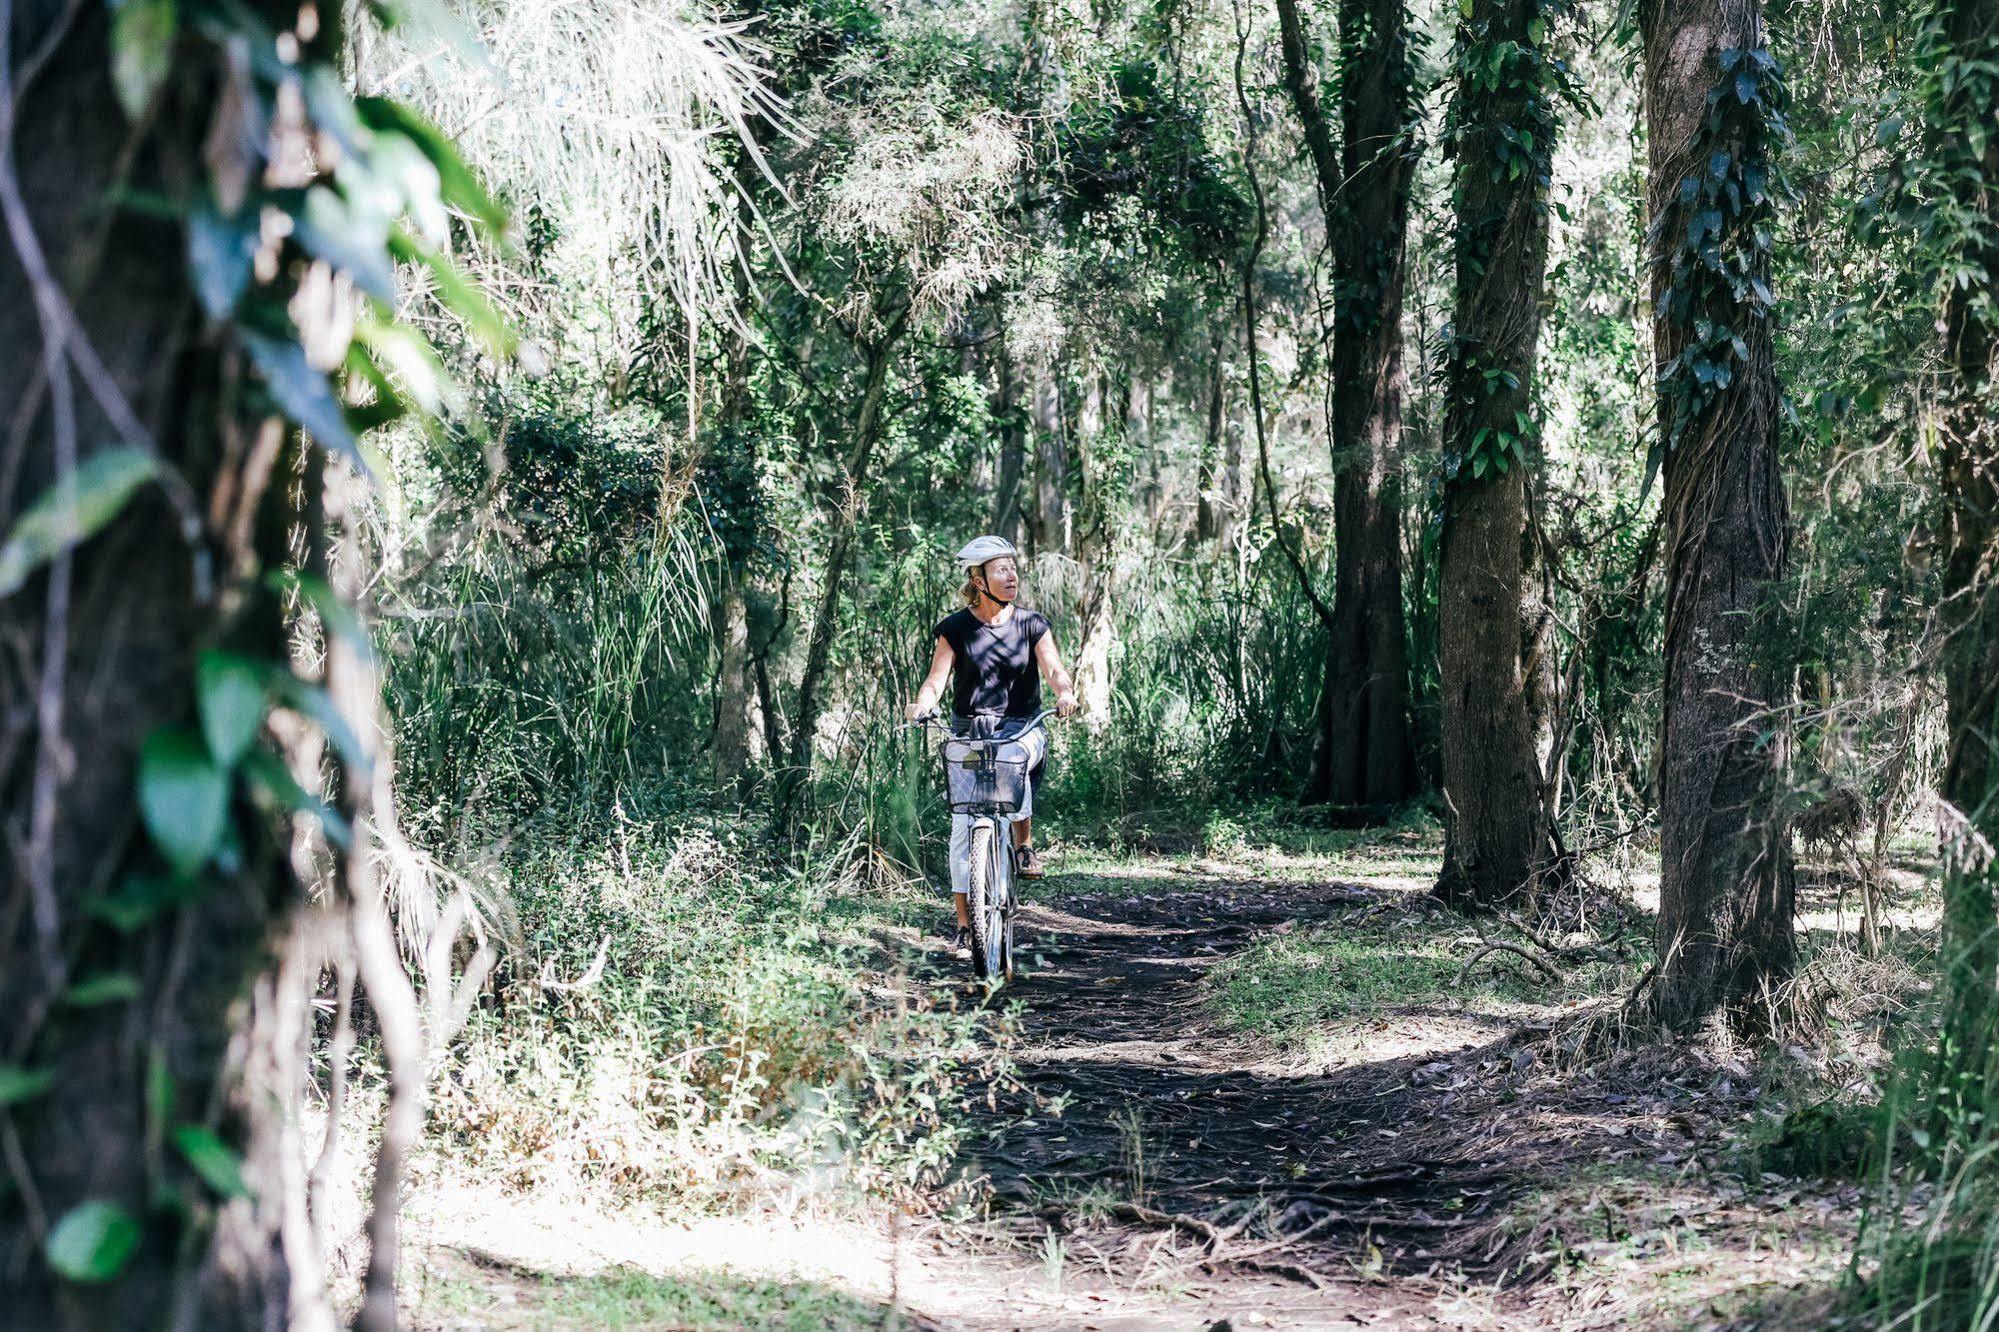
x=984, y=903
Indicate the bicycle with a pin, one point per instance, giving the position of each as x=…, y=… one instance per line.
x=985, y=777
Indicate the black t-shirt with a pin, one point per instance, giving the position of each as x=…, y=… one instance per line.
x=994, y=674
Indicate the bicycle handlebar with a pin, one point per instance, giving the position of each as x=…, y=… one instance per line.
x=936, y=718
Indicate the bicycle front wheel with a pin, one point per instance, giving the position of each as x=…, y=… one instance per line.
x=987, y=892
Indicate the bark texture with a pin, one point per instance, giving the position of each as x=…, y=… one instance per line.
x=1496, y=830
x=1365, y=753
x=102, y=649
x=1726, y=883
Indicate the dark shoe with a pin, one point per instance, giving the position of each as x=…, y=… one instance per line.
x=1027, y=863
x=961, y=943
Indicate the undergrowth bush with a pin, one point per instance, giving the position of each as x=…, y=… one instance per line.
x=687, y=1024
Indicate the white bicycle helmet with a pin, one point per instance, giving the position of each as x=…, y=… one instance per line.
x=975, y=555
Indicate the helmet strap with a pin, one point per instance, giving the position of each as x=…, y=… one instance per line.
x=984, y=588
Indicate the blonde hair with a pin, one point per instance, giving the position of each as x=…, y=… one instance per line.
x=970, y=591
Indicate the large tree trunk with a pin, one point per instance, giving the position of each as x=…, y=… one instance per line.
x=1968, y=457
x=1726, y=886
x=102, y=652
x=1365, y=752
x=1496, y=825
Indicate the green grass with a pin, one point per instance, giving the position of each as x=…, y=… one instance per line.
x=749, y=1025
x=1285, y=988
x=629, y=1298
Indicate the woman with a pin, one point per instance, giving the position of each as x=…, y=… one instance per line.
x=995, y=653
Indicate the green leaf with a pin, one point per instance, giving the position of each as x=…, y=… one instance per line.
x=229, y=692
x=183, y=797
x=142, y=50
x=103, y=485
x=405, y=351
x=457, y=183
x=334, y=612
x=275, y=780
x=22, y=1084
x=317, y=704
x=430, y=18
x=459, y=294
x=107, y=988
x=93, y=1241
x=353, y=240
x=303, y=393
x=220, y=253
x=213, y=1159
x=139, y=898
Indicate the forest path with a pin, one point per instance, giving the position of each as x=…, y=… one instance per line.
x=1276, y=1196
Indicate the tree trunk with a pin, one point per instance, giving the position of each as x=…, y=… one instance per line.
x=839, y=549
x=1968, y=457
x=1208, y=506
x=1096, y=551
x=103, y=644
x=1365, y=752
x=1013, y=449
x=734, y=471
x=1496, y=826
x=1051, y=467
x=1726, y=887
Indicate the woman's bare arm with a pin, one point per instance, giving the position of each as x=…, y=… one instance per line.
x=932, y=687
x=1056, y=674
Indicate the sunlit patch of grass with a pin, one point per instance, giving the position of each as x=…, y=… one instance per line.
x=1339, y=985
x=1285, y=987
x=630, y=1298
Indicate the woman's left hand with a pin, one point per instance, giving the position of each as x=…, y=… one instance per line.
x=1066, y=705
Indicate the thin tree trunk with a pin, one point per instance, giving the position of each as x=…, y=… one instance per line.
x=1365, y=752
x=1496, y=824
x=839, y=549
x=1013, y=449
x=735, y=474
x=1051, y=466
x=1726, y=884
x=1096, y=551
x=1208, y=505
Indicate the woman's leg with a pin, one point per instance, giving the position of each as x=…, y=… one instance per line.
x=961, y=869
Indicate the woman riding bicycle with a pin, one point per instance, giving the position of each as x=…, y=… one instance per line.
x=995, y=652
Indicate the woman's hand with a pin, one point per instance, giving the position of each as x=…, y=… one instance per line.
x=918, y=711
x=1066, y=705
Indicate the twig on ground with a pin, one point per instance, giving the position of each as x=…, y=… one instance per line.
x=1501, y=946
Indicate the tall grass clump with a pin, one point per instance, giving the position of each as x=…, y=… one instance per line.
x=1932, y=1241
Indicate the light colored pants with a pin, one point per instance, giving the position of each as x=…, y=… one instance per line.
x=1036, y=745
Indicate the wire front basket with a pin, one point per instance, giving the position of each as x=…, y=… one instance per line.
x=985, y=776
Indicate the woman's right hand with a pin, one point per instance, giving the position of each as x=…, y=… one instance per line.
x=917, y=711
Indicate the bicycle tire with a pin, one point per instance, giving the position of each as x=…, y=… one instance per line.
x=985, y=940
x=1007, y=876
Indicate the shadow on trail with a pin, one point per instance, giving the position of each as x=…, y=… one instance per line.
x=1415, y=1156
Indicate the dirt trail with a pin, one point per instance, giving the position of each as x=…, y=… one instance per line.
x=1177, y=1147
